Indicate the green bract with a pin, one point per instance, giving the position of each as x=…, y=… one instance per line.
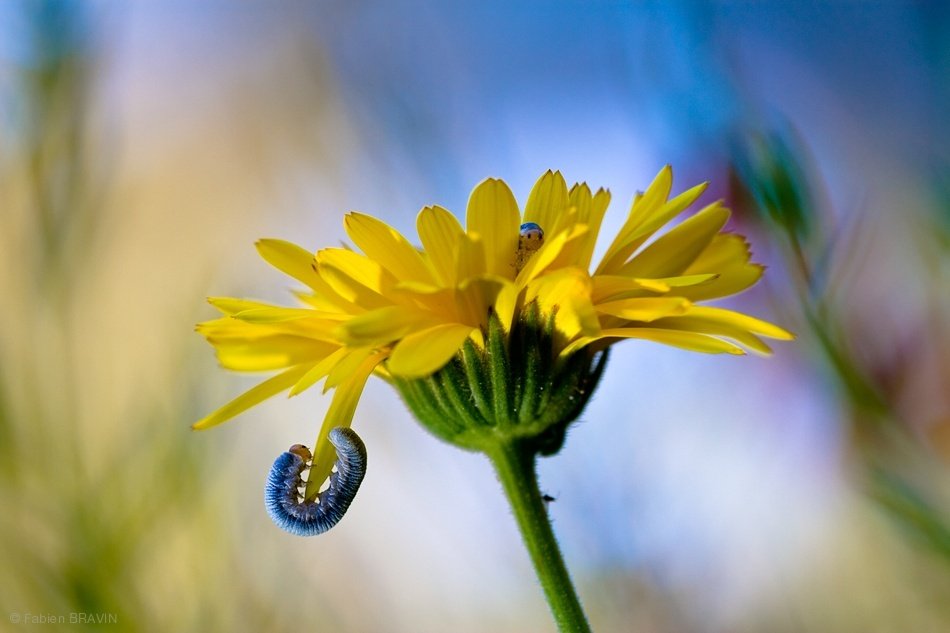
x=515, y=388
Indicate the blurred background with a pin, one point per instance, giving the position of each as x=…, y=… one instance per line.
x=144, y=146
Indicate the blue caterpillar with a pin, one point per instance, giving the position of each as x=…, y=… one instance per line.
x=309, y=518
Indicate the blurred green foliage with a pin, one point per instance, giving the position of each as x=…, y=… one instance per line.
x=898, y=469
x=770, y=167
x=914, y=514
x=119, y=519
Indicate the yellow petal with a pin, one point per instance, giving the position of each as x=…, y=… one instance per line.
x=227, y=327
x=571, y=253
x=614, y=287
x=659, y=217
x=741, y=321
x=644, y=309
x=299, y=264
x=318, y=371
x=255, y=395
x=360, y=296
x=290, y=259
x=425, y=352
x=385, y=245
x=438, y=302
x=672, y=253
x=552, y=289
x=340, y=413
x=580, y=198
x=320, y=302
x=590, y=211
x=413, y=288
x=694, y=324
x=358, y=267
x=474, y=298
x=231, y=328
x=644, y=204
x=325, y=298
x=725, y=249
x=269, y=352
x=470, y=258
x=440, y=233
x=232, y=305
x=648, y=213
x=505, y=304
x=275, y=314
x=644, y=224
x=576, y=317
x=692, y=341
x=567, y=294
x=493, y=215
x=383, y=325
x=686, y=340
x=728, y=256
x=658, y=191
x=682, y=281
x=547, y=201
x=565, y=221
x=348, y=365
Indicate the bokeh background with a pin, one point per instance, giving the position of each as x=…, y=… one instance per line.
x=144, y=146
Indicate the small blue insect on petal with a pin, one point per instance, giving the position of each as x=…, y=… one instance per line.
x=531, y=232
x=530, y=239
x=309, y=518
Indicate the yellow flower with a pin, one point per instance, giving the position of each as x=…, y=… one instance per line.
x=404, y=312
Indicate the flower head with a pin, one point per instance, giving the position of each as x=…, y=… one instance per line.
x=405, y=312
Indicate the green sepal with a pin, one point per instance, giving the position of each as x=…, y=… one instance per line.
x=476, y=376
x=514, y=389
x=496, y=358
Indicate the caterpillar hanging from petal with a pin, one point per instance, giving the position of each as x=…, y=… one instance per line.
x=309, y=518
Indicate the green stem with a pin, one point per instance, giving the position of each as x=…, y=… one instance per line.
x=514, y=464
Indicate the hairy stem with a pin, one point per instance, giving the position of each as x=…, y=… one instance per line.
x=515, y=465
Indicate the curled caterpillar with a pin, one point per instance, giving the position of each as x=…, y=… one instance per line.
x=530, y=239
x=309, y=518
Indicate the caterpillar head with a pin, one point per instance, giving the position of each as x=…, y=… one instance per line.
x=301, y=451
